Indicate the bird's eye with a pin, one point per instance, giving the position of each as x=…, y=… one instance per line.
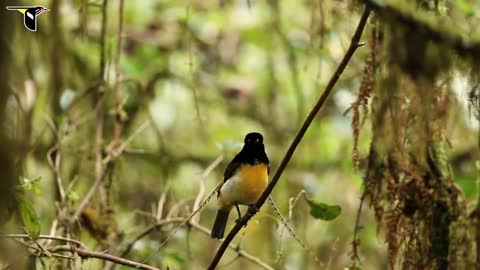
x=257, y=140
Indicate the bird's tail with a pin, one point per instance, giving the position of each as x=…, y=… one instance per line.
x=220, y=223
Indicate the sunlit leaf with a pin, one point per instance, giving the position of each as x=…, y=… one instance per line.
x=29, y=217
x=323, y=211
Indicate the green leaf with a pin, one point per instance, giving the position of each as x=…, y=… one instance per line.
x=29, y=184
x=466, y=7
x=73, y=196
x=29, y=217
x=323, y=211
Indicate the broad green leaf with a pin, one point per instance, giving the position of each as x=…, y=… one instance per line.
x=323, y=211
x=29, y=217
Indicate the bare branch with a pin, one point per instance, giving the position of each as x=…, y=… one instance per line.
x=156, y=226
x=285, y=223
x=115, y=152
x=356, y=242
x=186, y=221
x=253, y=210
x=55, y=164
x=83, y=253
x=204, y=175
x=118, y=123
x=79, y=249
x=110, y=157
x=57, y=238
x=161, y=203
x=89, y=195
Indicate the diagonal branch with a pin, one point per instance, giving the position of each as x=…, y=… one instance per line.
x=296, y=141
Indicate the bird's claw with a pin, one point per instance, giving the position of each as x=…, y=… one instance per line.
x=253, y=208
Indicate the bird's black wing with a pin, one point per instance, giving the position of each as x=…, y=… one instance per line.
x=231, y=169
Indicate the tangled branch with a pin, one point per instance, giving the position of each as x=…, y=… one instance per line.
x=291, y=150
x=79, y=249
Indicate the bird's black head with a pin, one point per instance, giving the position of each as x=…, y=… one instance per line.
x=253, y=152
x=253, y=138
x=254, y=143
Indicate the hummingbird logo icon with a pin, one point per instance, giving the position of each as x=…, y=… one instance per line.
x=30, y=14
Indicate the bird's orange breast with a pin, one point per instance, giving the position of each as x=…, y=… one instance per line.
x=254, y=180
x=245, y=186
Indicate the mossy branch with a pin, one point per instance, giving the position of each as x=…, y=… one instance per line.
x=431, y=29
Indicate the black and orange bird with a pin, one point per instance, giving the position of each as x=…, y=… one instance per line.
x=244, y=180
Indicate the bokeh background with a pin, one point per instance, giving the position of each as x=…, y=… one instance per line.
x=190, y=79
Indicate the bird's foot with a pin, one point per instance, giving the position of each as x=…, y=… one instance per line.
x=238, y=211
x=253, y=208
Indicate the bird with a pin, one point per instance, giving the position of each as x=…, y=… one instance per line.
x=30, y=14
x=244, y=180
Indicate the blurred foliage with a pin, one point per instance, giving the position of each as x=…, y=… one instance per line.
x=205, y=73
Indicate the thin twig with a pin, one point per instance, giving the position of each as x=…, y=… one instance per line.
x=55, y=164
x=201, y=191
x=100, y=171
x=49, y=237
x=110, y=157
x=85, y=254
x=291, y=150
x=196, y=100
x=149, y=230
x=89, y=195
x=161, y=203
x=355, y=242
x=119, y=150
x=292, y=60
x=285, y=223
x=118, y=123
x=187, y=220
x=197, y=206
x=53, y=230
x=292, y=201
x=200, y=228
x=78, y=249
